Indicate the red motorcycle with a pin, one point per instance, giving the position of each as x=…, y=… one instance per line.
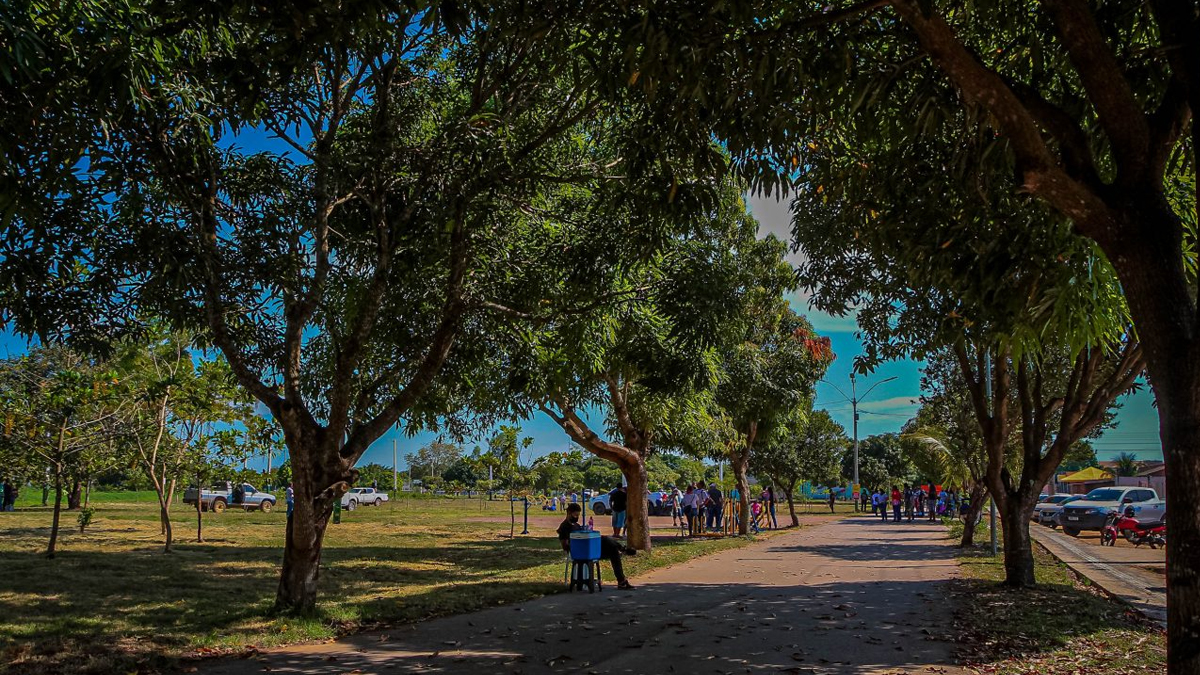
x=1135, y=532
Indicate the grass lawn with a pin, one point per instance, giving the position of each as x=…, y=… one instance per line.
x=112, y=602
x=1065, y=625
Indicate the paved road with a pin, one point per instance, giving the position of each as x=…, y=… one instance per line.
x=1124, y=571
x=849, y=596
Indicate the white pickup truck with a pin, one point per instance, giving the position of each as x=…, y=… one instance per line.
x=363, y=496
x=1090, y=512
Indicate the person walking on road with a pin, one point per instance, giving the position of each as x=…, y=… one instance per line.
x=897, y=502
x=932, y=503
x=910, y=498
x=289, y=497
x=832, y=500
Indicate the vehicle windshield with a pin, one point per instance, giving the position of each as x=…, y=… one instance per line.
x=1104, y=495
x=1058, y=499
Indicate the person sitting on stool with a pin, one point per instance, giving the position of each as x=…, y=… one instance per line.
x=609, y=548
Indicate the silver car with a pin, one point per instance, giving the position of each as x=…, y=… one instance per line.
x=1048, y=511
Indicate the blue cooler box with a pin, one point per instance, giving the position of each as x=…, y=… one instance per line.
x=585, y=546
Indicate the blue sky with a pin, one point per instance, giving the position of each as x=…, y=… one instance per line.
x=885, y=410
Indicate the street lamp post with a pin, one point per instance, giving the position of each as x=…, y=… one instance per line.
x=855, y=399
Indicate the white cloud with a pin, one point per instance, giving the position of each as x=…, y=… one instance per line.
x=896, y=403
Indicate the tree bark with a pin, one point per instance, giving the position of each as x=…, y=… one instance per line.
x=58, y=491
x=1018, y=547
x=637, y=515
x=199, y=521
x=739, y=463
x=1180, y=429
x=788, y=492
x=978, y=494
x=75, y=496
x=297, y=591
x=164, y=517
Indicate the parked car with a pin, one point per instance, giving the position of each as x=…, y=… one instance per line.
x=1046, y=501
x=1090, y=512
x=1047, y=512
x=222, y=495
x=363, y=496
x=657, y=504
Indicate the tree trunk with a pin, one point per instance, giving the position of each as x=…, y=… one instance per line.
x=199, y=523
x=297, y=591
x=739, y=464
x=637, y=515
x=1018, y=547
x=1180, y=429
x=57, y=512
x=978, y=493
x=164, y=515
x=512, y=520
x=75, y=496
x=788, y=492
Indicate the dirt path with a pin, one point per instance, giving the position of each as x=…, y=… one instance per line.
x=849, y=596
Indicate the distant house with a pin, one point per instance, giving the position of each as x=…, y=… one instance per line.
x=1152, y=475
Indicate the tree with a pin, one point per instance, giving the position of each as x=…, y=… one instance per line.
x=1093, y=106
x=58, y=408
x=505, y=450
x=763, y=379
x=649, y=360
x=1079, y=456
x=433, y=460
x=882, y=462
x=944, y=440
x=1127, y=464
x=338, y=270
x=178, y=400
x=810, y=448
x=1035, y=318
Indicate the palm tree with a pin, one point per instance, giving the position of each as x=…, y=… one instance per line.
x=1127, y=464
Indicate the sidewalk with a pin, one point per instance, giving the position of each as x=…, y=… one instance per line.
x=850, y=596
x=1121, y=570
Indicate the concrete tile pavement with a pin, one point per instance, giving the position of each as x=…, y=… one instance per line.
x=850, y=596
x=1122, y=570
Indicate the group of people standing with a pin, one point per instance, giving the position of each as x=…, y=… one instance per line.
x=701, y=508
x=914, y=501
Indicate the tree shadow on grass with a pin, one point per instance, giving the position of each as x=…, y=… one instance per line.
x=1000, y=623
x=57, y=615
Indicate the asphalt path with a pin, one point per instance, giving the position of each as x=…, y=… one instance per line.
x=854, y=595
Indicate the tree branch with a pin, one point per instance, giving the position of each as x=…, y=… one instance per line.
x=1120, y=116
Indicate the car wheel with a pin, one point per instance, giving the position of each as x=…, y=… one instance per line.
x=378, y=501
x=598, y=509
x=352, y=505
x=218, y=506
x=266, y=506
x=1071, y=531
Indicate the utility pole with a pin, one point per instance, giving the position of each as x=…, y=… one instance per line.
x=854, y=401
x=987, y=392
